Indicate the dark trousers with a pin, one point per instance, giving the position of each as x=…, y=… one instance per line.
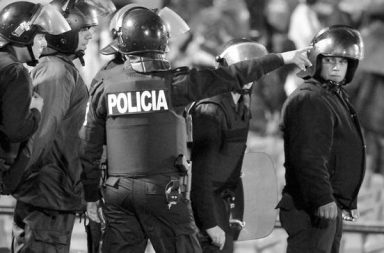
x=137, y=210
x=222, y=214
x=39, y=231
x=306, y=232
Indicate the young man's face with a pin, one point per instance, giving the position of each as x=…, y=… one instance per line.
x=333, y=68
x=39, y=43
x=85, y=35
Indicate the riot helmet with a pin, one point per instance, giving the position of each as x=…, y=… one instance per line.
x=137, y=29
x=143, y=34
x=142, y=31
x=80, y=14
x=112, y=48
x=335, y=41
x=237, y=50
x=21, y=21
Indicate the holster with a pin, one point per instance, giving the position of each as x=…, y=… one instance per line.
x=185, y=168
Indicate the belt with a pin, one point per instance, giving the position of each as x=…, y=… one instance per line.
x=154, y=184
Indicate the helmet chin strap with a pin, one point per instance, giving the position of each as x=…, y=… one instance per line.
x=80, y=54
x=33, y=62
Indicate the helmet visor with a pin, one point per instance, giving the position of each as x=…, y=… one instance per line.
x=103, y=7
x=243, y=51
x=111, y=48
x=175, y=24
x=50, y=20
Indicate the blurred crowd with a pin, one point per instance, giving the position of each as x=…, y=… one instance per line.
x=280, y=25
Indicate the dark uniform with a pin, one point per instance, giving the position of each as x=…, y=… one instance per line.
x=139, y=117
x=18, y=122
x=324, y=149
x=51, y=193
x=19, y=118
x=220, y=130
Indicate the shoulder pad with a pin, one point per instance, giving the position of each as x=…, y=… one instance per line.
x=180, y=70
x=217, y=107
x=209, y=104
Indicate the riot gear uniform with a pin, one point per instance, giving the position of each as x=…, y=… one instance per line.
x=136, y=110
x=220, y=130
x=19, y=24
x=51, y=192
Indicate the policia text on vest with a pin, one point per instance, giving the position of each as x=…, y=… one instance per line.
x=136, y=102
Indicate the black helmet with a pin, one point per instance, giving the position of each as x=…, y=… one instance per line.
x=137, y=30
x=142, y=31
x=79, y=14
x=142, y=35
x=112, y=48
x=337, y=41
x=240, y=50
x=21, y=21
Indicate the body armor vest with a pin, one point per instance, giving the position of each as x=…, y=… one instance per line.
x=233, y=143
x=145, y=133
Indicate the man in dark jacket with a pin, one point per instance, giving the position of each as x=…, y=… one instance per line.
x=51, y=192
x=20, y=111
x=220, y=131
x=323, y=145
x=137, y=112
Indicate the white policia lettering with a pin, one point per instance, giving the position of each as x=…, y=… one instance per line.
x=146, y=101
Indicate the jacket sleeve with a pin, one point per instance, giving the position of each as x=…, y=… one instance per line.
x=18, y=121
x=197, y=84
x=93, y=139
x=308, y=137
x=206, y=145
x=55, y=86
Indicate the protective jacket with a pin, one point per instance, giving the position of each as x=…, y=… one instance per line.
x=220, y=130
x=324, y=147
x=17, y=121
x=140, y=116
x=53, y=178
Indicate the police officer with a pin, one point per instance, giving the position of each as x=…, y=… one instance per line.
x=137, y=112
x=22, y=28
x=220, y=130
x=324, y=146
x=51, y=192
